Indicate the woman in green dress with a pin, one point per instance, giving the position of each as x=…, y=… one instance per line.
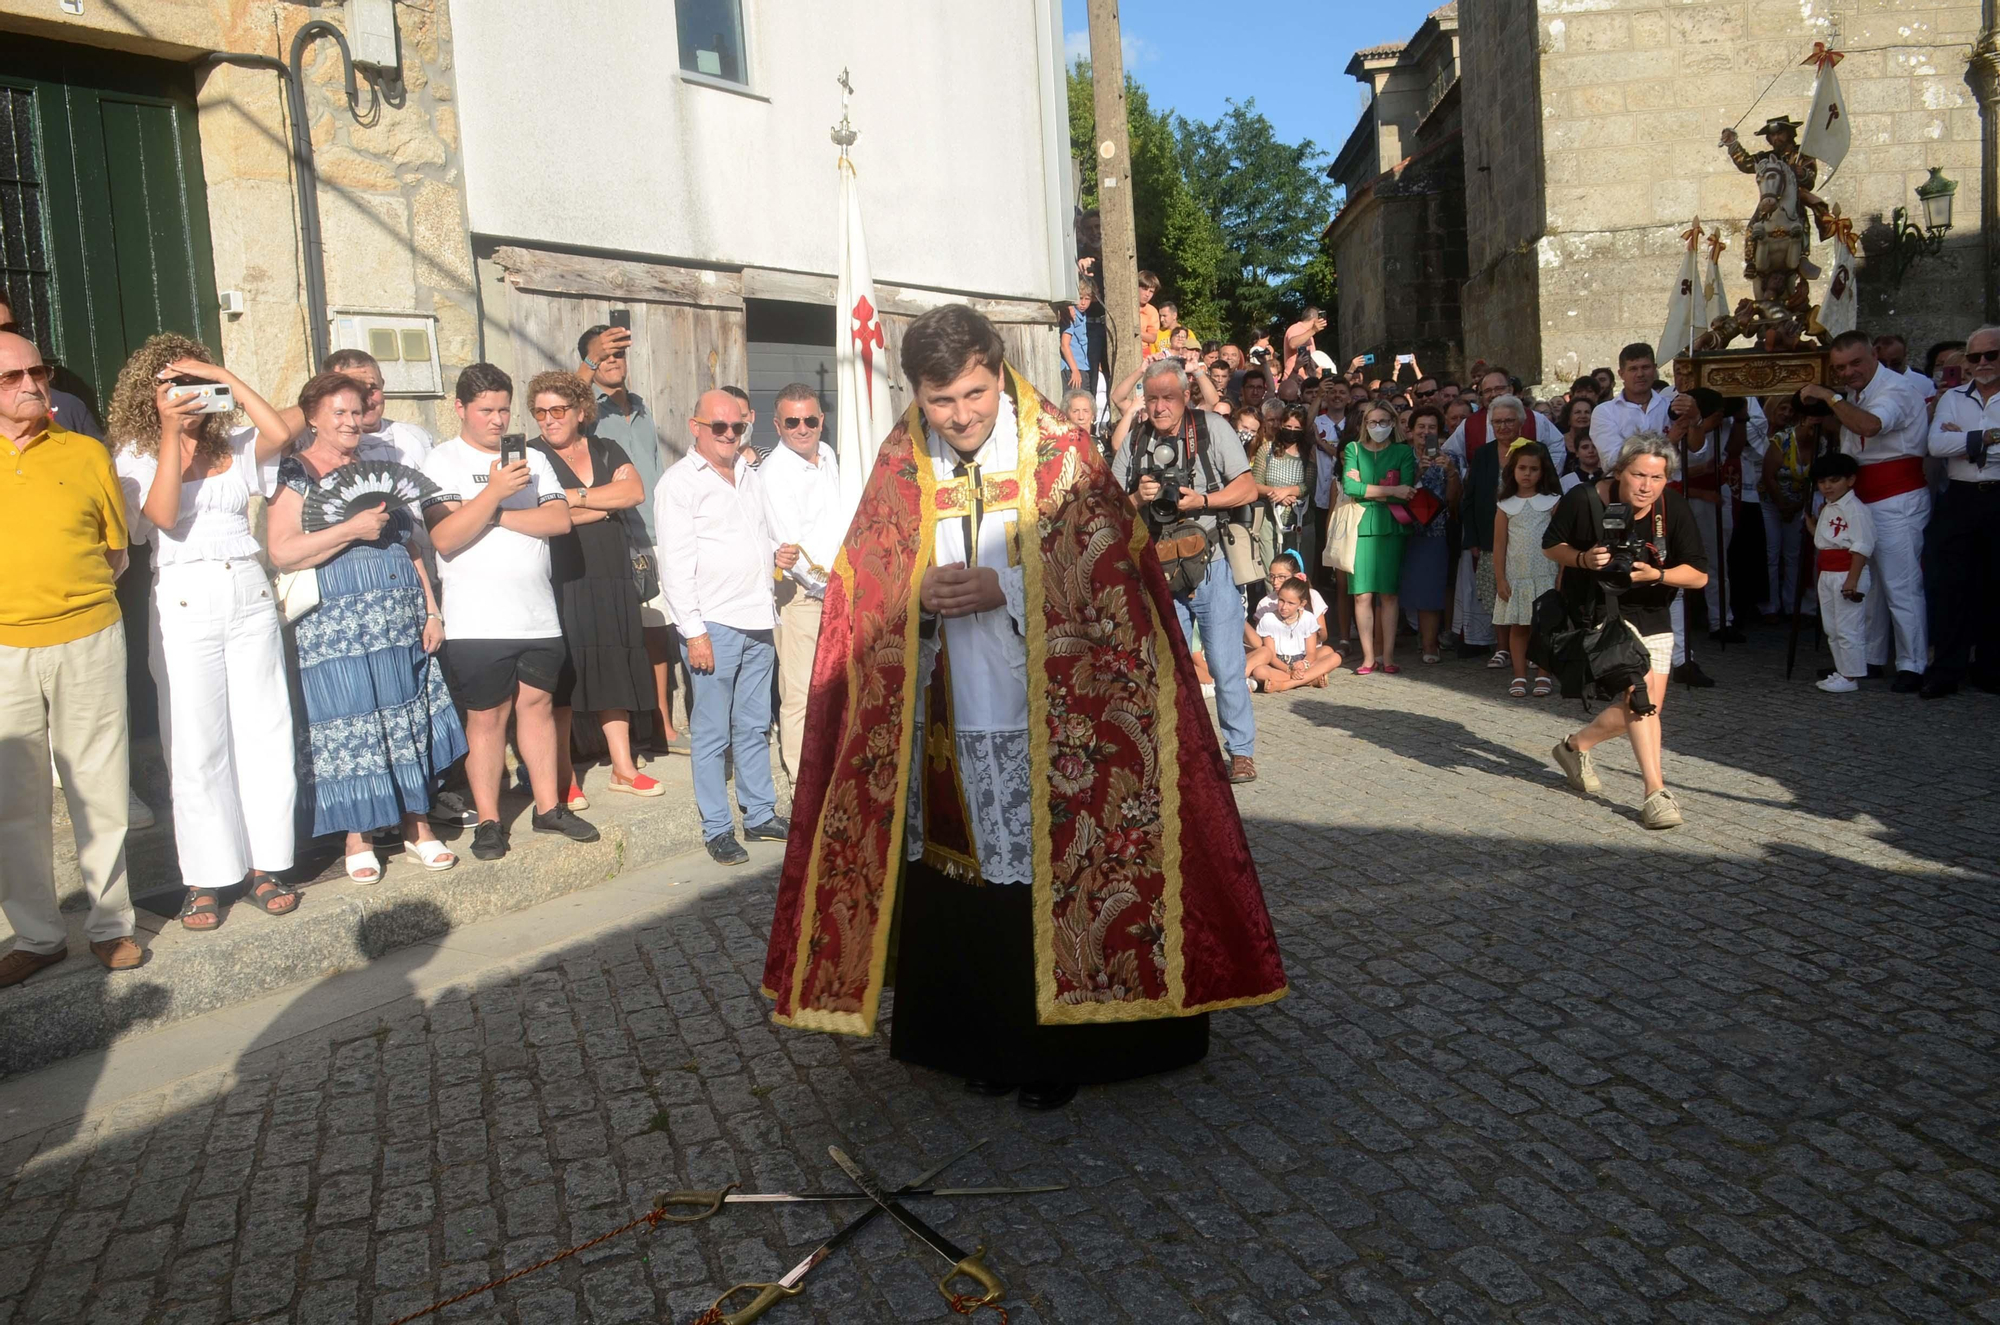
x=1381, y=470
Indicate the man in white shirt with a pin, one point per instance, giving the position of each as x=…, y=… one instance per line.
x=716, y=555
x=802, y=504
x=1636, y=408
x=1884, y=425
x=1965, y=537
x=498, y=504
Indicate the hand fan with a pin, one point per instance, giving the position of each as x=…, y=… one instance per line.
x=362, y=486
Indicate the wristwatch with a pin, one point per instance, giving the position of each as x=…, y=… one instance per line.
x=591, y=364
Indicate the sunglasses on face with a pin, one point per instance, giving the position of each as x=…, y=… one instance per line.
x=1981, y=356
x=810, y=421
x=718, y=429
x=550, y=412
x=13, y=377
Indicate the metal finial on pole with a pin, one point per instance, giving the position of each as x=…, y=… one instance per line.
x=844, y=132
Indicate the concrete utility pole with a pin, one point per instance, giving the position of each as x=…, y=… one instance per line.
x=1118, y=273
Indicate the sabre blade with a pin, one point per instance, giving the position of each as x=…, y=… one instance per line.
x=861, y=1221
x=766, y=1198
x=929, y=1236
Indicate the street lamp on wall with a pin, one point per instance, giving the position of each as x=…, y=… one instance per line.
x=1910, y=244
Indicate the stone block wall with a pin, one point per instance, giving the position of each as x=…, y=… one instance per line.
x=1504, y=186
x=391, y=191
x=1633, y=96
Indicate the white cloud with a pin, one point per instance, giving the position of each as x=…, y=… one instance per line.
x=1076, y=46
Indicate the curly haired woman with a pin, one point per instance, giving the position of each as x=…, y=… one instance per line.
x=218, y=653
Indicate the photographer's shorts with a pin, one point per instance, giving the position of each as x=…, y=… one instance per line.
x=482, y=673
x=1659, y=649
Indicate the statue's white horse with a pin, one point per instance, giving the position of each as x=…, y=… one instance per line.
x=1777, y=239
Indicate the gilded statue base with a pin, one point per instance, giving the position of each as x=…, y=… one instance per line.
x=1752, y=372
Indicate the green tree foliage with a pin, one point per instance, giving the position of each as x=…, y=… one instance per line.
x=1227, y=215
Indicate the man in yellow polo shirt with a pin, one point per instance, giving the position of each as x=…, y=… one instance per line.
x=62, y=674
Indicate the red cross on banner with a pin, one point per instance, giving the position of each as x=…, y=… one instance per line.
x=867, y=334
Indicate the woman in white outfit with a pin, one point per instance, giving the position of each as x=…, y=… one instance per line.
x=218, y=655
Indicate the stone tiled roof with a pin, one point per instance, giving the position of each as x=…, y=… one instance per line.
x=1449, y=11
x=1386, y=48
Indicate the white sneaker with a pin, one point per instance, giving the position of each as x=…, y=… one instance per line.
x=1208, y=690
x=1838, y=685
x=1250, y=682
x=138, y=814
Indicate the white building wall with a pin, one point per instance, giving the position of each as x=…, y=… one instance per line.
x=579, y=131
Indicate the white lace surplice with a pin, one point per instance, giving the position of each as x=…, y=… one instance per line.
x=989, y=680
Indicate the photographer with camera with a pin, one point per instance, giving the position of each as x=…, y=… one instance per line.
x=1631, y=544
x=1187, y=473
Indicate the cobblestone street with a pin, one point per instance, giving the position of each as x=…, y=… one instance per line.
x=1537, y=1065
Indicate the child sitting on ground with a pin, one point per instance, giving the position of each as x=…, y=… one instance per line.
x=1844, y=537
x=1291, y=654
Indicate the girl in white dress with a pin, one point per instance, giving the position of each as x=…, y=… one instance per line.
x=1529, y=490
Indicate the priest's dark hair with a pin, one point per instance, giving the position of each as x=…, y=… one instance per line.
x=947, y=341
x=478, y=379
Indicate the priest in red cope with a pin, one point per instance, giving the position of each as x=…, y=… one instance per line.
x=1011, y=799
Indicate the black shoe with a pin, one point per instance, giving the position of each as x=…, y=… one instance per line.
x=1731, y=635
x=563, y=820
x=773, y=829
x=1689, y=673
x=1907, y=683
x=1937, y=687
x=724, y=849
x=1045, y=1095
x=450, y=810
x=1876, y=671
x=1986, y=684
x=489, y=840
x=1473, y=650
x=990, y=1089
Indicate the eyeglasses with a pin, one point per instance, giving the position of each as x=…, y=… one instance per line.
x=551, y=412
x=1981, y=356
x=810, y=421
x=13, y=377
x=718, y=429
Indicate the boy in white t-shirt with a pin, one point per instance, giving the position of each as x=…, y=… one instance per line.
x=491, y=523
x=1844, y=537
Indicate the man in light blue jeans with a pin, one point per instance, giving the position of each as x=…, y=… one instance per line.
x=1203, y=453
x=716, y=559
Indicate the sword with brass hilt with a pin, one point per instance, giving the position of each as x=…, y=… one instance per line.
x=971, y=1267
x=770, y=1294
x=706, y=1204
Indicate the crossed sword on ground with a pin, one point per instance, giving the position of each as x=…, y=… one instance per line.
x=962, y=1266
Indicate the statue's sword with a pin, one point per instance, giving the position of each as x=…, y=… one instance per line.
x=971, y=1267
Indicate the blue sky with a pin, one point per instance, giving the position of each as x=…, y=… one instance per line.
x=1196, y=58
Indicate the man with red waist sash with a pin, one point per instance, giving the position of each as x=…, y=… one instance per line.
x=1965, y=543
x=1884, y=425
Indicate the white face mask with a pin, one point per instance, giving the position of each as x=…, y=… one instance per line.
x=1246, y=434
x=1380, y=432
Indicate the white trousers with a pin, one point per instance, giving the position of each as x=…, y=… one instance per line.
x=1896, y=608
x=218, y=659
x=1845, y=623
x=68, y=699
x=1715, y=543
x=1475, y=623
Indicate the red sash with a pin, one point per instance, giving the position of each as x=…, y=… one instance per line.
x=1835, y=558
x=1475, y=436
x=1889, y=478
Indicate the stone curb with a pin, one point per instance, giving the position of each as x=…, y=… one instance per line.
x=78, y=1006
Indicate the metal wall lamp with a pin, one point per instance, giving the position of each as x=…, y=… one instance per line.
x=1910, y=244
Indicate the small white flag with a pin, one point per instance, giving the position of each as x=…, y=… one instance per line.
x=1828, y=133
x=861, y=359
x=1839, y=311
x=1684, y=304
x=1715, y=303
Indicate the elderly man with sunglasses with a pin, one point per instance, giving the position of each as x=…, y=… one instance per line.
x=62, y=674
x=801, y=485
x=716, y=557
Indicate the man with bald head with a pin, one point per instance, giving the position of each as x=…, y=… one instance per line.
x=1965, y=533
x=62, y=674
x=716, y=559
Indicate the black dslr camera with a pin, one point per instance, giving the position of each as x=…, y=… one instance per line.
x=1626, y=550
x=1163, y=463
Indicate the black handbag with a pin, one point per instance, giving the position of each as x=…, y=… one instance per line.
x=1607, y=656
x=645, y=569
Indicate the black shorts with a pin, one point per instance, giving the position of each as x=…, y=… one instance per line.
x=483, y=672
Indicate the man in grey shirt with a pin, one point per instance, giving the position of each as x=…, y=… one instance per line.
x=1175, y=436
x=623, y=417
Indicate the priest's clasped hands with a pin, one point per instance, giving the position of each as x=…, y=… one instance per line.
x=959, y=590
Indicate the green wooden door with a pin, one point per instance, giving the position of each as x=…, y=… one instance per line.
x=103, y=209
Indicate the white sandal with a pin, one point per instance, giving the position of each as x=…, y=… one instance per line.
x=364, y=860
x=434, y=854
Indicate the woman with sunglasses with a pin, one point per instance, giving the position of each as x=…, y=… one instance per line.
x=597, y=592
